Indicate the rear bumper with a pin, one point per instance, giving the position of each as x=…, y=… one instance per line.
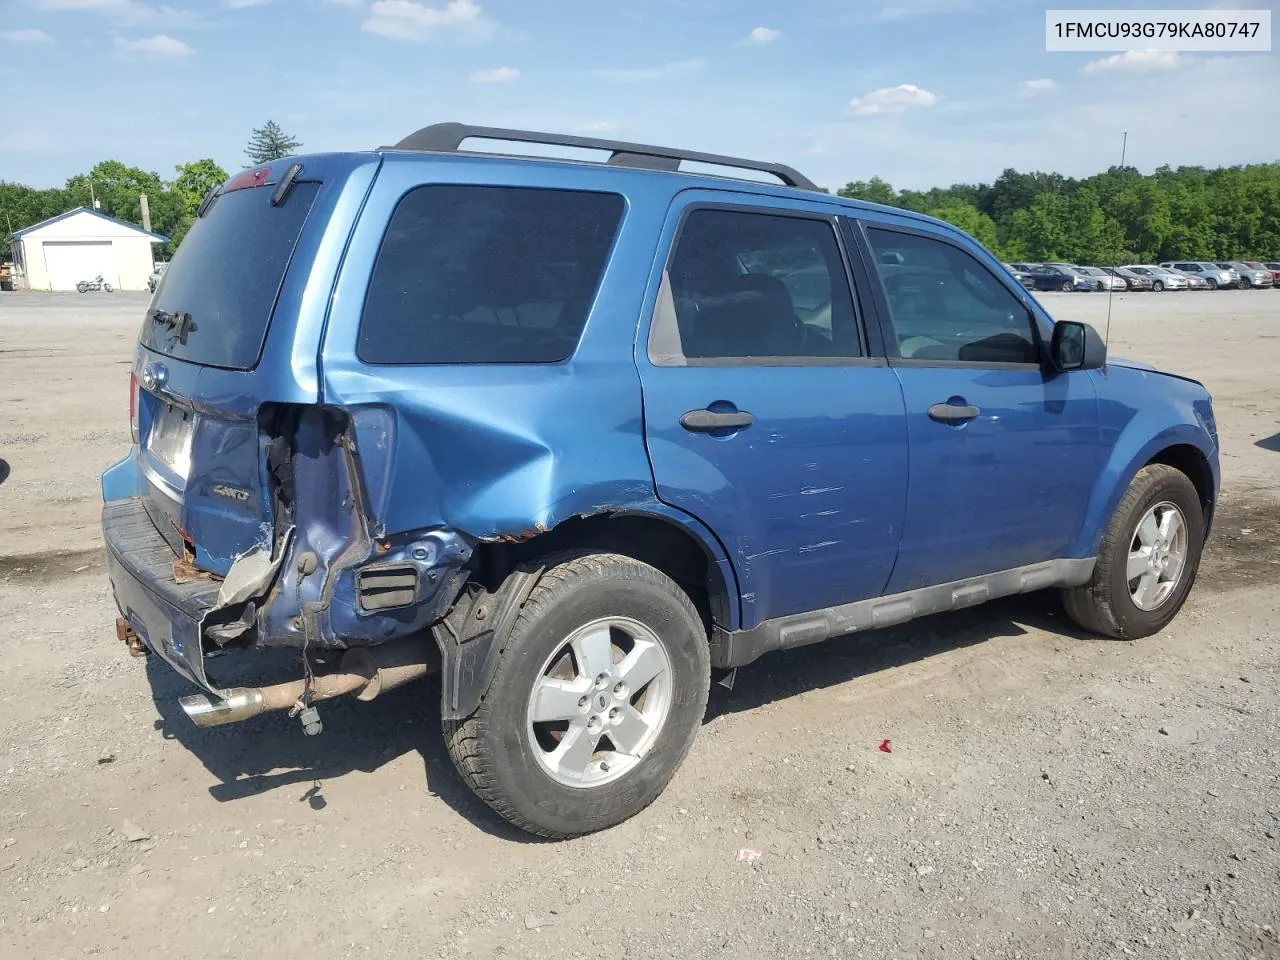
x=166, y=615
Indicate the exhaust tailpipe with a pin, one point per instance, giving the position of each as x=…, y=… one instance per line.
x=364, y=671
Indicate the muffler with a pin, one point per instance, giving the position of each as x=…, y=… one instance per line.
x=364, y=671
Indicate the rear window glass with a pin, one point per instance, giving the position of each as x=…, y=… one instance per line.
x=215, y=299
x=473, y=274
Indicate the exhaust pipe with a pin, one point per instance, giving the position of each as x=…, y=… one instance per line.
x=364, y=671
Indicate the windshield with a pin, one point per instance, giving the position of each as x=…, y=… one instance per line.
x=218, y=292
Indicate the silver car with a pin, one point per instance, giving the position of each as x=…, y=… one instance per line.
x=1161, y=278
x=1212, y=274
x=1101, y=279
x=1249, y=276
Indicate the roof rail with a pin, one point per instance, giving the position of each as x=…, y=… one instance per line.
x=448, y=138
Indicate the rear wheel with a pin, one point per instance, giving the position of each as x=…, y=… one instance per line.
x=1148, y=558
x=82, y=287
x=596, y=697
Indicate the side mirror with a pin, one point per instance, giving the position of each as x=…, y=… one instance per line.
x=1076, y=346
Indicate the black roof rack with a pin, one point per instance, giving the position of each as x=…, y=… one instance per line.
x=448, y=138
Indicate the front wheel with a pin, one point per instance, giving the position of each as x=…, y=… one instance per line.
x=1157, y=286
x=1067, y=286
x=107, y=287
x=595, y=700
x=82, y=287
x=1213, y=284
x=1148, y=558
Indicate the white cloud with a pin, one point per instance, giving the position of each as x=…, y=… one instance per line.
x=1135, y=61
x=598, y=126
x=25, y=36
x=759, y=36
x=1033, y=88
x=679, y=68
x=407, y=20
x=124, y=11
x=903, y=97
x=497, y=75
x=160, y=47
x=241, y=4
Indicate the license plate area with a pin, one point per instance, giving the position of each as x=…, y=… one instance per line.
x=169, y=441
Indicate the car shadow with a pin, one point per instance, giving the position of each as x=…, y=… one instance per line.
x=4, y=470
x=272, y=753
x=778, y=676
x=1271, y=443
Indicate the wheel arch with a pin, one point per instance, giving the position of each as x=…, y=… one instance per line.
x=664, y=538
x=1183, y=446
x=504, y=572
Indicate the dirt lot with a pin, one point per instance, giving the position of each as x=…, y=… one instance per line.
x=1048, y=795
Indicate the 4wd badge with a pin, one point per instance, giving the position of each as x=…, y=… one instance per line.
x=231, y=493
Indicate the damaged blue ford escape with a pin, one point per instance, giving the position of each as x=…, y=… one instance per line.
x=577, y=433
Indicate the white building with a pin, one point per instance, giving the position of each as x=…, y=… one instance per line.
x=82, y=244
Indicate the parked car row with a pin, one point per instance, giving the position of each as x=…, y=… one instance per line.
x=1170, y=275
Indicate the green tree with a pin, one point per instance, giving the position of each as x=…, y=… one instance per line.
x=972, y=221
x=194, y=180
x=269, y=142
x=875, y=190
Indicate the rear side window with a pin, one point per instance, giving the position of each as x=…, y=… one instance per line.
x=475, y=274
x=754, y=287
x=218, y=292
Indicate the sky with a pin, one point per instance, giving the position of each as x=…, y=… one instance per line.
x=921, y=92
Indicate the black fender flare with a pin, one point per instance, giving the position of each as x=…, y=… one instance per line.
x=471, y=634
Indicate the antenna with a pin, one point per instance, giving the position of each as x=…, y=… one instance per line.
x=1106, y=337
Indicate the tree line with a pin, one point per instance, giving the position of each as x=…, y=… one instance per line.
x=1117, y=217
x=1120, y=216
x=118, y=189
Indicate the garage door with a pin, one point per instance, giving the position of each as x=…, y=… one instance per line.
x=67, y=263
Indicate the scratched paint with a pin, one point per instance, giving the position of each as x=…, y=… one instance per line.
x=821, y=545
x=812, y=491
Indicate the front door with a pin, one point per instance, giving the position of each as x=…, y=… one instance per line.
x=765, y=418
x=1004, y=451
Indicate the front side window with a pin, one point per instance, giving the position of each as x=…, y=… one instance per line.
x=754, y=286
x=945, y=305
x=481, y=274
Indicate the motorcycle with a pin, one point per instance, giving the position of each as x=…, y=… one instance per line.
x=84, y=286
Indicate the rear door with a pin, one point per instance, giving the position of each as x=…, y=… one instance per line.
x=1004, y=452
x=765, y=415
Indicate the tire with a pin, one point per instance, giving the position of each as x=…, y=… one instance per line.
x=1213, y=284
x=1067, y=286
x=82, y=287
x=107, y=287
x=1158, y=286
x=505, y=756
x=1106, y=604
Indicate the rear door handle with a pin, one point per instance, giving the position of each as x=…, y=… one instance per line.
x=701, y=421
x=951, y=413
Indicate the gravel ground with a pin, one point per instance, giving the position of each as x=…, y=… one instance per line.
x=1046, y=794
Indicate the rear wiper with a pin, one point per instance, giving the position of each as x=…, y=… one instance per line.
x=181, y=323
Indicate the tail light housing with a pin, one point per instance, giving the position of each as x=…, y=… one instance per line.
x=133, y=405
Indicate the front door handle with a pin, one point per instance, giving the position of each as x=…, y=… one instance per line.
x=704, y=420
x=952, y=413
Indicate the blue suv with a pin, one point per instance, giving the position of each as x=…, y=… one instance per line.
x=576, y=434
